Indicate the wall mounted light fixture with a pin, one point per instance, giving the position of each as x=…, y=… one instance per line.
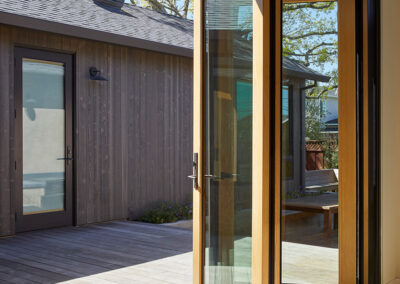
x=95, y=74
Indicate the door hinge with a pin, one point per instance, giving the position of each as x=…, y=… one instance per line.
x=15, y=165
x=15, y=113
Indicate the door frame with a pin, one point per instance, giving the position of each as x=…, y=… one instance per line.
x=348, y=142
x=355, y=109
x=50, y=219
x=269, y=96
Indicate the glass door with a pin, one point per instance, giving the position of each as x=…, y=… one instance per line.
x=228, y=141
x=309, y=145
x=317, y=108
x=44, y=149
x=275, y=118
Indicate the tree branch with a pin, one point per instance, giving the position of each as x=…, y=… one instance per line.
x=157, y=6
x=308, y=54
x=320, y=45
x=186, y=8
x=294, y=7
x=323, y=92
x=332, y=32
x=172, y=6
x=309, y=51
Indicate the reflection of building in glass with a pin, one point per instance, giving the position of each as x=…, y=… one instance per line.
x=296, y=77
x=295, y=81
x=329, y=106
x=43, y=136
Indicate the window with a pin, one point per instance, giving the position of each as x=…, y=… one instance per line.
x=287, y=132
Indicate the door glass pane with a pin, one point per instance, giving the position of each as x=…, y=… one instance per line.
x=43, y=136
x=309, y=143
x=228, y=141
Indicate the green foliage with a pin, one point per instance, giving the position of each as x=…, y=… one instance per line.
x=331, y=154
x=313, y=120
x=309, y=36
x=182, y=8
x=293, y=194
x=168, y=213
x=310, y=32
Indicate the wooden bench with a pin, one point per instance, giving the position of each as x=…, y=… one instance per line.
x=325, y=203
x=322, y=180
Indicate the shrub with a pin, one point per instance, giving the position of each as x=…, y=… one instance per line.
x=167, y=213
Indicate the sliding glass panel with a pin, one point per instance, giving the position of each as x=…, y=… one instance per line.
x=228, y=141
x=309, y=143
x=43, y=136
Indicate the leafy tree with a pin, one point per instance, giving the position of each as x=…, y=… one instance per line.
x=309, y=35
x=179, y=8
x=331, y=157
x=313, y=120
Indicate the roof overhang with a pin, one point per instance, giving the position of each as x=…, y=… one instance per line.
x=307, y=76
x=84, y=33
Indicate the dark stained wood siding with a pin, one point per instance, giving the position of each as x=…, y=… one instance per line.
x=6, y=89
x=133, y=133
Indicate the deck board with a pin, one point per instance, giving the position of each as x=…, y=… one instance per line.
x=114, y=252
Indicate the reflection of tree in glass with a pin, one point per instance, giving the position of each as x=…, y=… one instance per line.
x=182, y=8
x=29, y=106
x=313, y=120
x=309, y=35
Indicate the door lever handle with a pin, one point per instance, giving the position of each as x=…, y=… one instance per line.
x=65, y=159
x=194, y=176
x=69, y=157
x=210, y=176
x=223, y=176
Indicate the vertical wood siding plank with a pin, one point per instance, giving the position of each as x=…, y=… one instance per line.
x=5, y=129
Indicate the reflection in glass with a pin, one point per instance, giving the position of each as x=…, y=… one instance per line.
x=228, y=141
x=43, y=136
x=309, y=140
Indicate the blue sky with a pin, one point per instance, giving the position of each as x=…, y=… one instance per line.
x=180, y=3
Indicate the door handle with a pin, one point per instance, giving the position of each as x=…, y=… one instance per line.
x=68, y=157
x=210, y=176
x=228, y=175
x=194, y=176
x=223, y=176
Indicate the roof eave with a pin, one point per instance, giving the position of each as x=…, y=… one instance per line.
x=307, y=76
x=84, y=33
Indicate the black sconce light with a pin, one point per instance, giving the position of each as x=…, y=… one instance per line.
x=95, y=74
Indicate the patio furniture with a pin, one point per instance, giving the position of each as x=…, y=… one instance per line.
x=325, y=203
x=322, y=180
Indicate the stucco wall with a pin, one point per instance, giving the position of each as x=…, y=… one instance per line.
x=390, y=139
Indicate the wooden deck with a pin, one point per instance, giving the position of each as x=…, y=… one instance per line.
x=115, y=252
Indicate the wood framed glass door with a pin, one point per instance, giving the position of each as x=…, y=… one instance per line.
x=316, y=183
x=43, y=139
x=280, y=87
x=316, y=201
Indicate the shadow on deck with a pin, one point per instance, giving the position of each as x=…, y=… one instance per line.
x=114, y=252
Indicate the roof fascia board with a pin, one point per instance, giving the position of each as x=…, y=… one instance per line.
x=79, y=32
x=307, y=76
